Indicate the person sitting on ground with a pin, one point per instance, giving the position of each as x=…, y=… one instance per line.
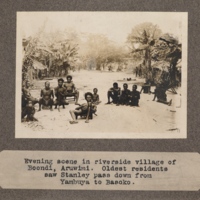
x=60, y=95
x=114, y=94
x=96, y=97
x=146, y=88
x=87, y=109
x=28, y=111
x=47, y=97
x=124, y=97
x=134, y=96
x=160, y=94
x=71, y=89
x=26, y=95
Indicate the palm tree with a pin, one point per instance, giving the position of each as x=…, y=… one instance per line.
x=144, y=35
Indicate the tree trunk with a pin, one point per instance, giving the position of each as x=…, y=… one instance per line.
x=147, y=63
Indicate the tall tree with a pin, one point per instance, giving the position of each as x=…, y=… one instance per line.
x=144, y=36
x=168, y=49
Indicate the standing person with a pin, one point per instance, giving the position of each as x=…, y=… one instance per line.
x=47, y=71
x=71, y=89
x=140, y=71
x=114, y=94
x=60, y=94
x=47, y=97
x=124, y=97
x=136, y=71
x=134, y=96
x=87, y=109
x=40, y=74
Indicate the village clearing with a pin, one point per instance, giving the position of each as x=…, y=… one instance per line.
x=150, y=120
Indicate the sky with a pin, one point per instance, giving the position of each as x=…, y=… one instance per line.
x=115, y=25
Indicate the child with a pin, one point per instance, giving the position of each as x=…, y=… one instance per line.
x=96, y=100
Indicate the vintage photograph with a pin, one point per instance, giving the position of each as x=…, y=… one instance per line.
x=101, y=75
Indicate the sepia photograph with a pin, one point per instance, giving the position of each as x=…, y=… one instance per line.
x=101, y=75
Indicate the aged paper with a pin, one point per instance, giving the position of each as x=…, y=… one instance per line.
x=99, y=170
x=97, y=49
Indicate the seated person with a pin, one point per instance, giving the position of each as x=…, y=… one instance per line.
x=124, y=97
x=28, y=111
x=87, y=109
x=134, y=96
x=47, y=97
x=146, y=88
x=160, y=94
x=26, y=95
x=96, y=97
x=71, y=89
x=60, y=95
x=114, y=94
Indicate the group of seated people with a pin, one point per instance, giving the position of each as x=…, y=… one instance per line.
x=123, y=97
x=159, y=92
x=61, y=92
x=67, y=89
x=128, y=97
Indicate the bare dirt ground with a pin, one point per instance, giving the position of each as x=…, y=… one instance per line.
x=150, y=120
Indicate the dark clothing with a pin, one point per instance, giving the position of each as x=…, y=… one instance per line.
x=124, y=97
x=134, y=98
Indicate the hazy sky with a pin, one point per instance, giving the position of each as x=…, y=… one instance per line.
x=116, y=25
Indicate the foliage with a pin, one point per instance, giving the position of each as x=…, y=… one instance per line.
x=147, y=42
x=144, y=36
x=57, y=50
x=99, y=48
